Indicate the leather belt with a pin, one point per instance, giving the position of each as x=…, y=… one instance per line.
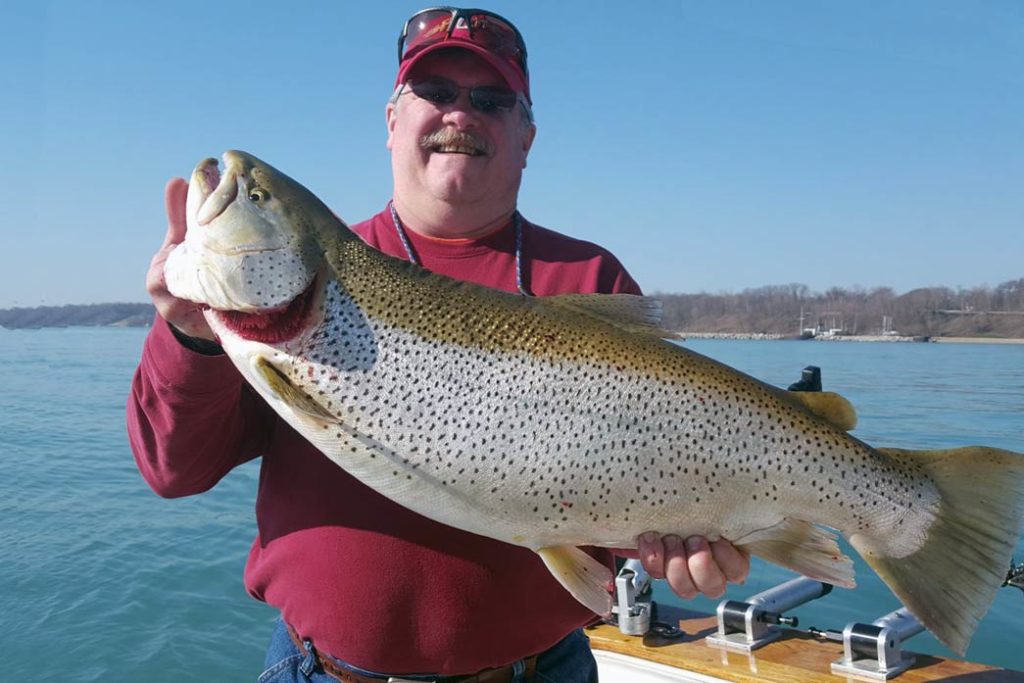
x=501, y=674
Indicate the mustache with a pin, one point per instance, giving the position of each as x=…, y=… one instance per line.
x=446, y=137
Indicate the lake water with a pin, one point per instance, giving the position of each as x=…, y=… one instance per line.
x=101, y=580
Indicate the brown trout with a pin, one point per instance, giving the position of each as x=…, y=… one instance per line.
x=568, y=421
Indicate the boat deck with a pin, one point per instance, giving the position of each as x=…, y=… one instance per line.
x=795, y=657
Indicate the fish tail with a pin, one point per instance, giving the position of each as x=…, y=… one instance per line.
x=950, y=581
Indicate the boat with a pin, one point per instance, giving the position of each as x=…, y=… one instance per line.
x=797, y=656
x=753, y=640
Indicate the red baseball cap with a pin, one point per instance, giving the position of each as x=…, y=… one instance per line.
x=493, y=38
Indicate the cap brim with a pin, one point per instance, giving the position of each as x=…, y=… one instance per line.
x=513, y=77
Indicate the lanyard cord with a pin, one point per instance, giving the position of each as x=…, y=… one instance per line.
x=517, y=221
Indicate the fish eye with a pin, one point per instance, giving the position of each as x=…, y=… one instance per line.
x=258, y=194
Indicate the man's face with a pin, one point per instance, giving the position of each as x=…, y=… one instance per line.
x=449, y=173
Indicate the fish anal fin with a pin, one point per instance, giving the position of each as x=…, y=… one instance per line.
x=803, y=547
x=829, y=406
x=277, y=384
x=639, y=314
x=585, y=578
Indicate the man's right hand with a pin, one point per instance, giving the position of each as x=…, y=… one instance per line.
x=184, y=315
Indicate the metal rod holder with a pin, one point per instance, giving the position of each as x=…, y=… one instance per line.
x=747, y=625
x=873, y=652
x=633, y=599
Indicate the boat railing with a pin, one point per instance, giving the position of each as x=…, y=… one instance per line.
x=871, y=652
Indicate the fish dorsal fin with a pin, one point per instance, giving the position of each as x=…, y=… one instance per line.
x=632, y=312
x=829, y=406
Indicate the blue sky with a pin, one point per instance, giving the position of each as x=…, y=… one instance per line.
x=712, y=145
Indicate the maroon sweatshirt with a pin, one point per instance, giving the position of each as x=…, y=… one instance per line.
x=368, y=581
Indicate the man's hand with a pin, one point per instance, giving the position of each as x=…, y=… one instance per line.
x=692, y=567
x=186, y=316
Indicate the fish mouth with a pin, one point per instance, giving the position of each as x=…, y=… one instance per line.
x=211, y=191
x=272, y=325
x=207, y=176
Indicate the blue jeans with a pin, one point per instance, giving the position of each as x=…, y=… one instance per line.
x=568, y=661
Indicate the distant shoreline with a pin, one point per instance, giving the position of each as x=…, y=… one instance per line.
x=978, y=340
x=766, y=336
x=1002, y=327
x=984, y=316
x=683, y=335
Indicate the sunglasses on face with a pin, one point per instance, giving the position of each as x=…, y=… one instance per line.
x=487, y=29
x=488, y=99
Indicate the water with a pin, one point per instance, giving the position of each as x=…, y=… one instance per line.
x=101, y=580
x=104, y=581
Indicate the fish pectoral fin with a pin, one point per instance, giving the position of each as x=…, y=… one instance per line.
x=585, y=578
x=640, y=314
x=829, y=406
x=278, y=385
x=804, y=548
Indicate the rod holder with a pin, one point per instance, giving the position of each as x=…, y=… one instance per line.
x=747, y=625
x=633, y=599
x=873, y=652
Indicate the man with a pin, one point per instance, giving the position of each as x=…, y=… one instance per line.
x=368, y=589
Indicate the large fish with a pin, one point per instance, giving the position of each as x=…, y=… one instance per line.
x=568, y=421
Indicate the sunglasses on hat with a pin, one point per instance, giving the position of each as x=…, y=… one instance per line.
x=487, y=29
x=484, y=98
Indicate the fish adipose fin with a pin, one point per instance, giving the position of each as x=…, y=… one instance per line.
x=804, y=548
x=631, y=312
x=588, y=580
x=951, y=580
x=279, y=386
x=829, y=406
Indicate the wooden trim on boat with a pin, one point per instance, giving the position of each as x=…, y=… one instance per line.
x=797, y=657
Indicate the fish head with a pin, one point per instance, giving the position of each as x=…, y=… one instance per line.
x=253, y=248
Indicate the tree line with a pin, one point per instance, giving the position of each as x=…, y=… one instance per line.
x=789, y=309
x=88, y=315
x=774, y=309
